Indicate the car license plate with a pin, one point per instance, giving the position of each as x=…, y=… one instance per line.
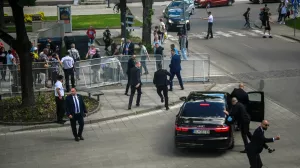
x=201, y=132
x=179, y=25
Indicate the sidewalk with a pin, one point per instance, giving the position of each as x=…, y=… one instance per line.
x=114, y=105
x=282, y=30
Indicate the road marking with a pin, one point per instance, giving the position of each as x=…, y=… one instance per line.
x=247, y=46
x=237, y=33
x=250, y=33
x=286, y=39
x=258, y=32
x=223, y=34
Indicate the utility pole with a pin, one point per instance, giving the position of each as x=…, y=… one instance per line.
x=185, y=28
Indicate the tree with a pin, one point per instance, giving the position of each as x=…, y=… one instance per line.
x=123, y=8
x=22, y=46
x=147, y=21
x=2, y=25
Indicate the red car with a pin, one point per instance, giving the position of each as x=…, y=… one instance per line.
x=210, y=3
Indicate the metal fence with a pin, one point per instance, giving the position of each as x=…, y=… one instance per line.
x=102, y=72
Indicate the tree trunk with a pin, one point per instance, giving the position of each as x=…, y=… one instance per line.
x=147, y=21
x=123, y=17
x=22, y=45
x=2, y=25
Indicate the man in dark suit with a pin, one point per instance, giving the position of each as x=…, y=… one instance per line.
x=128, y=48
x=175, y=69
x=158, y=54
x=76, y=111
x=161, y=82
x=242, y=97
x=130, y=65
x=238, y=111
x=258, y=142
x=136, y=84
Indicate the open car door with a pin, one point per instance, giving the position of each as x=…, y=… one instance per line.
x=228, y=101
x=256, y=106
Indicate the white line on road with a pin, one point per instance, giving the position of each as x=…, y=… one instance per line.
x=223, y=34
x=258, y=31
x=237, y=33
x=250, y=33
x=247, y=46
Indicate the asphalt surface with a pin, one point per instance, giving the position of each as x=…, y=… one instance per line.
x=268, y=64
x=143, y=141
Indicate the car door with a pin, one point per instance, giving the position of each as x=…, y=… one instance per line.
x=228, y=101
x=256, y=106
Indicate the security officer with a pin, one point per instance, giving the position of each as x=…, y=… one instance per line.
x=242, y=97
x=136, y=84
x=68, y=66
x=130, y=65
x=161, y=82
x=238, y=111
x=210, y=20
x=258, y=142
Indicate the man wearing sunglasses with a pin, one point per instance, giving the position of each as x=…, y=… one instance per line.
x=240, y=114
x=258, y=142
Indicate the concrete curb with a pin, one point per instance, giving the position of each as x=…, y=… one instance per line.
x=35, y=127
x=291, y=37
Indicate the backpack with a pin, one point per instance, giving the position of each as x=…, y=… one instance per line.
x=245, y=14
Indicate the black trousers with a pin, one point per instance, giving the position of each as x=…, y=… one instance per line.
x=60, y=108
x=53, y=77
x=209, y=31
x=139, y=93
x=68, y=73
x=178, y=75
x=245, y=132
x=128, y=84
x=254, y=160
x=164, y=89
x=79, y=118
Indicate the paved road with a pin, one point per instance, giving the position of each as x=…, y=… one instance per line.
x=144, y=141
x=244, y=53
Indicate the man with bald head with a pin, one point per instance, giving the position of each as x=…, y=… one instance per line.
x=76, y=111
x=238, y=111
x=258, y=142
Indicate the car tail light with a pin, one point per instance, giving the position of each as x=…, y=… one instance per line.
x=182, y=129
x=222, y=128
x=204, y=104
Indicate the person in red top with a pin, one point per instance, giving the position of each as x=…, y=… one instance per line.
x=91, y=33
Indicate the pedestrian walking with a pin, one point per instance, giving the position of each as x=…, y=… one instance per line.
x=136, y=84
x=239, y=113
x=76, y=57
x=130, y=65
x=175, y=69
x=258, y=142
x=91, y=33
x=76, y=111
x=95, y=66
x=54, y=67
x=267, y=21
x=183, y=42
x=59, y=99
x=161, y=82
x=144, y=54
x=158, y=54
x=283, y=13
x=210, y=20
x=242, y=97
x=68, y=67
x=247, y=18
x=161, y=31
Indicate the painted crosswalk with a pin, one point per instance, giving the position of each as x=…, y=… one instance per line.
x=227, y=34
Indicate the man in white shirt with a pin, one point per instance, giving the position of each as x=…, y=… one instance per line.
x=68, y=65
x=162, y=29
x=75, y=55
x=59, y=99
x=210, y=20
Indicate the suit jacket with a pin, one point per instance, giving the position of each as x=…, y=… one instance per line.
x=135, y=76
x=240, y=113
x=70, y=105
x=241, y=95
x=161, y=77
x=130, y=65
x=130, y=49
x=258, y=141
x=175, y=64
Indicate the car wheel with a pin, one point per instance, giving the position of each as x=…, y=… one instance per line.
x=188, y=27
x=229, y=3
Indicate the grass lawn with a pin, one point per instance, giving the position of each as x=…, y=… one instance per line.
x=290, y=23
x=82, y=22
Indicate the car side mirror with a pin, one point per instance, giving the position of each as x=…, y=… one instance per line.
x=182, y=98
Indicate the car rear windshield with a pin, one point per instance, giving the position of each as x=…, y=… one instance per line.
x=176, y=4
x=193, y=109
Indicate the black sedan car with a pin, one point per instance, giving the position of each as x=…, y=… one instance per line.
x=201, y=122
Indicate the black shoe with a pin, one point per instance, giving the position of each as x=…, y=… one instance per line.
x=162, y=100
x=129, y=108
x=264, y=36
x=126, y=94
x=182, y=88
x=146, y=73
x=81, y=138
x=206, y=37
x=243, y=151
x=270, y=37
x=170, y=90
x=211, y=37
x=167, y=108
x=237, y=129
x=137, y=105
x=77, y=139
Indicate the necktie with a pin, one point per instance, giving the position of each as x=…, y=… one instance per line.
x=76, y=104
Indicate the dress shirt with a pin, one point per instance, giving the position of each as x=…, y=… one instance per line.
x=76, y=103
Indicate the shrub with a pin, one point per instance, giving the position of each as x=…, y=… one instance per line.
x=28, y=17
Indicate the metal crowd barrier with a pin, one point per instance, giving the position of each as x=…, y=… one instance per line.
x=102, y=72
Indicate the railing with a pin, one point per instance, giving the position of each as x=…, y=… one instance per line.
x=102, y=72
